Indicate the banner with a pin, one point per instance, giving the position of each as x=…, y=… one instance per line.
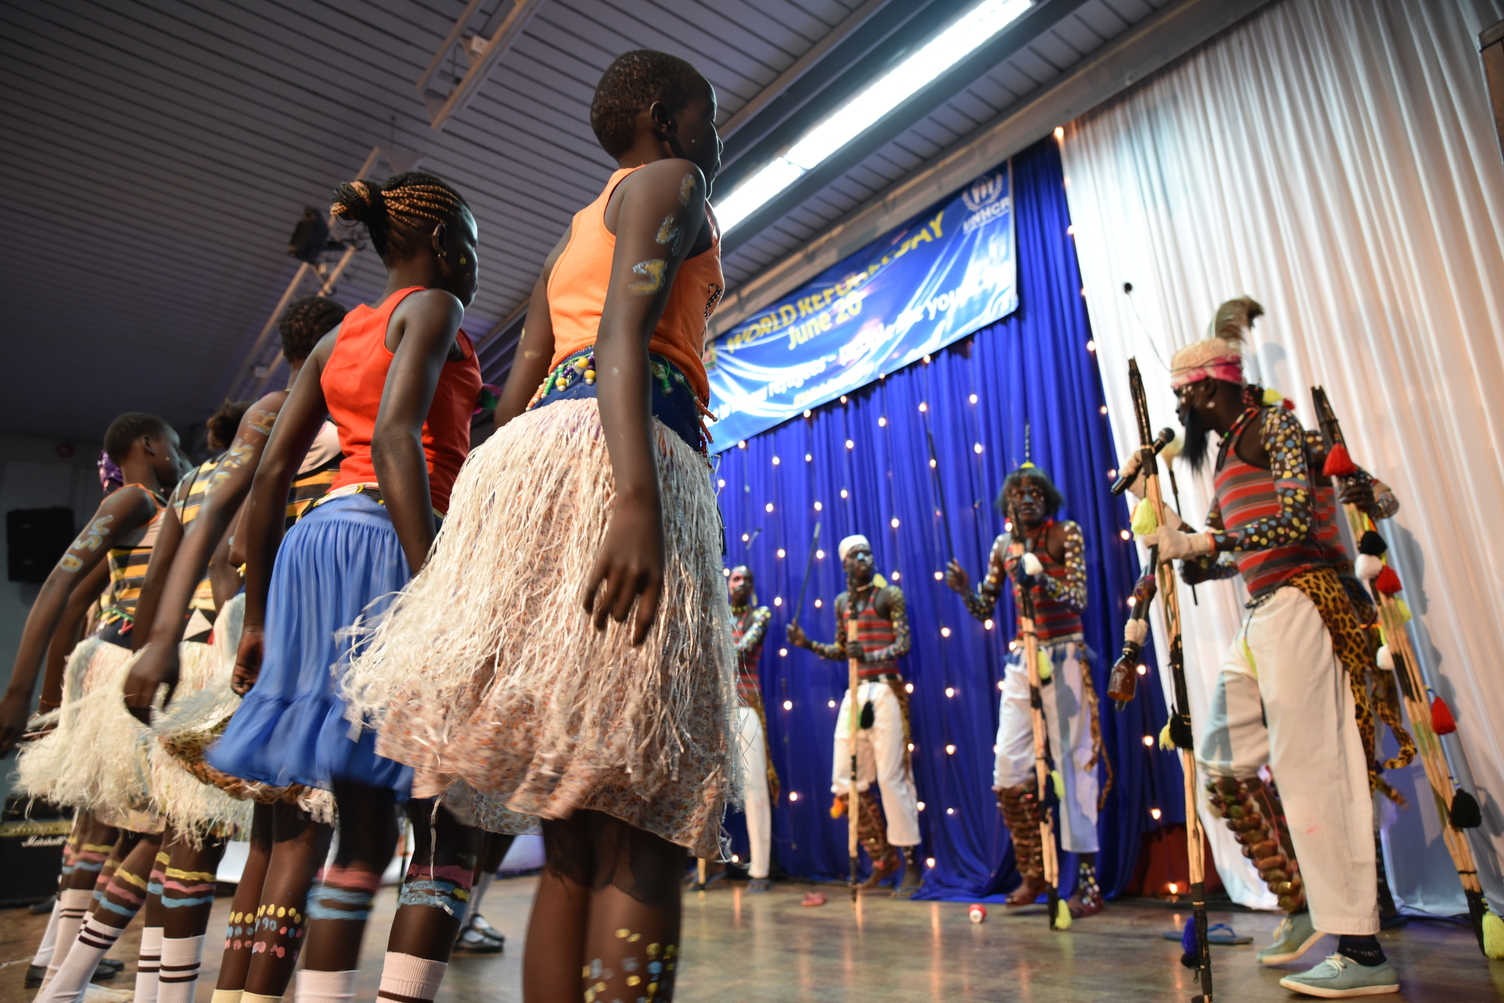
x=934, y=280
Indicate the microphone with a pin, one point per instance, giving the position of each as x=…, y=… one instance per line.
x=1166, y=436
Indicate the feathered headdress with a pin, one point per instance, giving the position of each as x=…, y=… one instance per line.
x=1219, y=357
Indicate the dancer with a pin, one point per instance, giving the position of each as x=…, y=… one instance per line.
x=400, y=380
x=1058, y=584
x=566, y=654
x=749, y=628
x=1300, y=626
x=114, y=857
x=882, y=635
x=199, y=811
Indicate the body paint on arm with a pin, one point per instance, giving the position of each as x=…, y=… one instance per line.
x=652, y=276
x=241, y=451
x=89, y=540
x=669, y=233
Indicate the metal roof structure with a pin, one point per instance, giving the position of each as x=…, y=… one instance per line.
x=159, y=152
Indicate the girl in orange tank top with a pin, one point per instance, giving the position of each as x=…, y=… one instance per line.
x=400, y=380
x=565, y=655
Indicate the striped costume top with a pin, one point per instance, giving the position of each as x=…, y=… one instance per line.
x=316, y=475
x=1059, y=594
x=749, y=628
x=188, y=499
x=881, y=638
x=1265, y=518
x=128, y=559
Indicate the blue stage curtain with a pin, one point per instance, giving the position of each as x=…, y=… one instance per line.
x=1030, y=378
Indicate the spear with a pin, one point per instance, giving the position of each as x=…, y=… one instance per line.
x=950, y=544
x=809, y=564
x=1180, y=717
x=1412, y=686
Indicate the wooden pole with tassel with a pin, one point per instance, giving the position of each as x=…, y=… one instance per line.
x=853, y=799
x=1044, y=773
x=1457, y=808
x=1181, y=734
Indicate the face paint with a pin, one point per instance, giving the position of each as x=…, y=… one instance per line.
x=90, y=540
x=670, y=234
x=687, y=186
x=652, y=276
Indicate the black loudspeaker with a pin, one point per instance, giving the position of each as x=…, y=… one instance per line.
x=31, y=850
x=35, y=539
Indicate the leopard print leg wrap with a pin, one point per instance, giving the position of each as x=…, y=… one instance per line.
x=1020, y=807
x=1253, y=812
x=872, y=829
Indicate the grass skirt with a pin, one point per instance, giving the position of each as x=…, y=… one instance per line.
x=487, y=676
x=340, y=561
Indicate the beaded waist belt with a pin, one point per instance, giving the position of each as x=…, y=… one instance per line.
x=370, y=490
x=673, y=401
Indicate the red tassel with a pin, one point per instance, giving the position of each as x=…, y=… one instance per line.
x=1388, y=581
x=1442, y=721
x=1287, y=404
x=1339, y=463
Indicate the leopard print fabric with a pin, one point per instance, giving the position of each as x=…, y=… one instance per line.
x=1354, y=650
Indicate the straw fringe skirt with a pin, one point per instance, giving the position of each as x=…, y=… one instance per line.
x=489, y=679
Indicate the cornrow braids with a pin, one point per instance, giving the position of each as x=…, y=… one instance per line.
x=305, y=322
x=630, y=85
x=401, y=213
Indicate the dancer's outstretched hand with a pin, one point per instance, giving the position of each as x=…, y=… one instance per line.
x=628, y=568
x=957, y=578
x=13, y=711
x=247, y=659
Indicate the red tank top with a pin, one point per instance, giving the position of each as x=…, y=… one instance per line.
x=1246, y=494
x=873, y=633
x=354, y=379
x=1052, y=618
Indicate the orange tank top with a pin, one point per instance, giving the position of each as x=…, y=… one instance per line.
x=354, y=379
x=577, y=294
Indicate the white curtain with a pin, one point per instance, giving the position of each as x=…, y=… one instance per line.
x=1336, y=160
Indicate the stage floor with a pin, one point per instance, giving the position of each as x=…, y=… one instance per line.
x=768, y=948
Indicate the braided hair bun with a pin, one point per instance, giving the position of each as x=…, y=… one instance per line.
x=400, y=214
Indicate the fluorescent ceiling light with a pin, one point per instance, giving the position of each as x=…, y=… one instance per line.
x=970, y=32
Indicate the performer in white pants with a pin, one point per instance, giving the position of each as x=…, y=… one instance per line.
x=882, y=635
x=1285, y=695
x=749, y=628
x=1053, y=567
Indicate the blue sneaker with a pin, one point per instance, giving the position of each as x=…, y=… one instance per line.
x=1339, y=977
x=1294, y=936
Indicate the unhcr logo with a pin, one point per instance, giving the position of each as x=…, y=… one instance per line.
x=984, y=191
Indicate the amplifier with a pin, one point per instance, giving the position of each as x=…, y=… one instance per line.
x=31, y=851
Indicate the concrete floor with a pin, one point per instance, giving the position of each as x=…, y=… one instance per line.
x=767, y=947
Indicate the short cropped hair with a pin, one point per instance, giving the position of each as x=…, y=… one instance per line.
x=305, y=322
x=630, y=85
x=126, y=429
x=1053, y=499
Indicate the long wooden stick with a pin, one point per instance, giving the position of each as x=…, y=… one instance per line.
x=1040, y=727
x=1180, y=723
x=853, y=799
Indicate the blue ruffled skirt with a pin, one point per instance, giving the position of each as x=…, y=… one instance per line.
x=340, y=562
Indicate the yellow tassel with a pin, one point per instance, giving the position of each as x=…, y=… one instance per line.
x=1059, y=783
x=879, y=581
x=1046, y=666
x=1493, y=936
x=1272, y=396
x=1063, y=918
x=1404, y=610
x=1144, y=521
x=1164, y=738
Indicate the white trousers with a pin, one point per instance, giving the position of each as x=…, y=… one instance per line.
x=1070, y=740
x=753, y=756
x=1281, y=666
x=881, y=756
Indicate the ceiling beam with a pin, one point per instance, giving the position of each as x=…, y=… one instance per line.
x=480, y=54
x=1157, y=41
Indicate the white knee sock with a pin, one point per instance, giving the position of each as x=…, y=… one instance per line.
x=94, y=940
x=237, y=996
x=147, y=964
x=43, y=956
x=181, y=957
x=73, y=905
x=406, y=975
x=325, y=987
